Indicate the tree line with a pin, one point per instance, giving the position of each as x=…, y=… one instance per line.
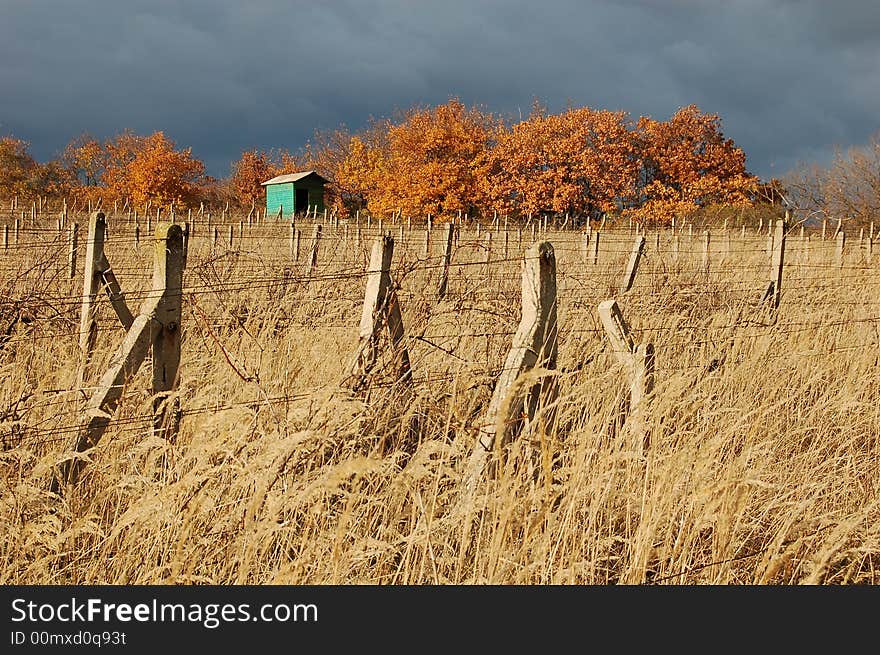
x=441, y=160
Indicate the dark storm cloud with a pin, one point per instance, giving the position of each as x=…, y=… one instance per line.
x=790, y=79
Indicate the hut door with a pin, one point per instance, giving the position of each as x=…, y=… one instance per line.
x=301, y=201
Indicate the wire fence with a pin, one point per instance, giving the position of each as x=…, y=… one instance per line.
x=831, y=283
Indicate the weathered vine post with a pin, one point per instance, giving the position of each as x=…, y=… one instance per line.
x=512, y=408
x=72, y=246
x=778, y=263
x=381, y=309
x=169, y=262
x=706, y=252
x=447, y=260
x=313, y=250
x=633, y=264
x=88, y=323
x=585, y=246
x=487, y=257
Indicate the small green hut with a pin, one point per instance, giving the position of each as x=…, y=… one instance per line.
x=294, y=193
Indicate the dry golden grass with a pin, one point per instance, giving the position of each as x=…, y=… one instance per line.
x=764, y=470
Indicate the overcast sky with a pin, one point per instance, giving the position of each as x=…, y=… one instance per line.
x=791, y=80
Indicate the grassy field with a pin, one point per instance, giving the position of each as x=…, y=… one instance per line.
x=763, y=470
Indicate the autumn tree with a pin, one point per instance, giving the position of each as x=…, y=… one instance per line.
x=430, y=166
x=86, y=159
x=687, y=163
x=151, y=169
x=360, y=174
x=17, y=168
x=582, y=160
x=248, y=173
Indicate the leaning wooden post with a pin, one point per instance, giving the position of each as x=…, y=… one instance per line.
x=534, y=345
x=638, y=361
x=633, y=265
x=596, y=247
x=105, y=399
x=841, y=240
x=88, y=324
x=292, y=237
x=72, y=242
x=165, y=338
x=447, y=259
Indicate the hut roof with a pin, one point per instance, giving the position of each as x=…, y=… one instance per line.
x=292, y=177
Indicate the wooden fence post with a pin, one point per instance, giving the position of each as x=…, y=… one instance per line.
x=778, y=261
x=596, y=247
x=841, y=240
x=72, y=242
x=706, y=251
x=534, y=345
x=447, y=259
x=633, y=265
x=487, y=257
x=313, y=250
x=380, y=309
x=88, y=325
x=165, y=336
x=6, y=236
x=585, y=246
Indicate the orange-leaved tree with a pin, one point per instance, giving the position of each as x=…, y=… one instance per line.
x=431, y=162
x=17, y=168
x=248, y=173
x=582, y=160
x=688, y=163
x=86, y=159
x=157, y=172
x=359, y=177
